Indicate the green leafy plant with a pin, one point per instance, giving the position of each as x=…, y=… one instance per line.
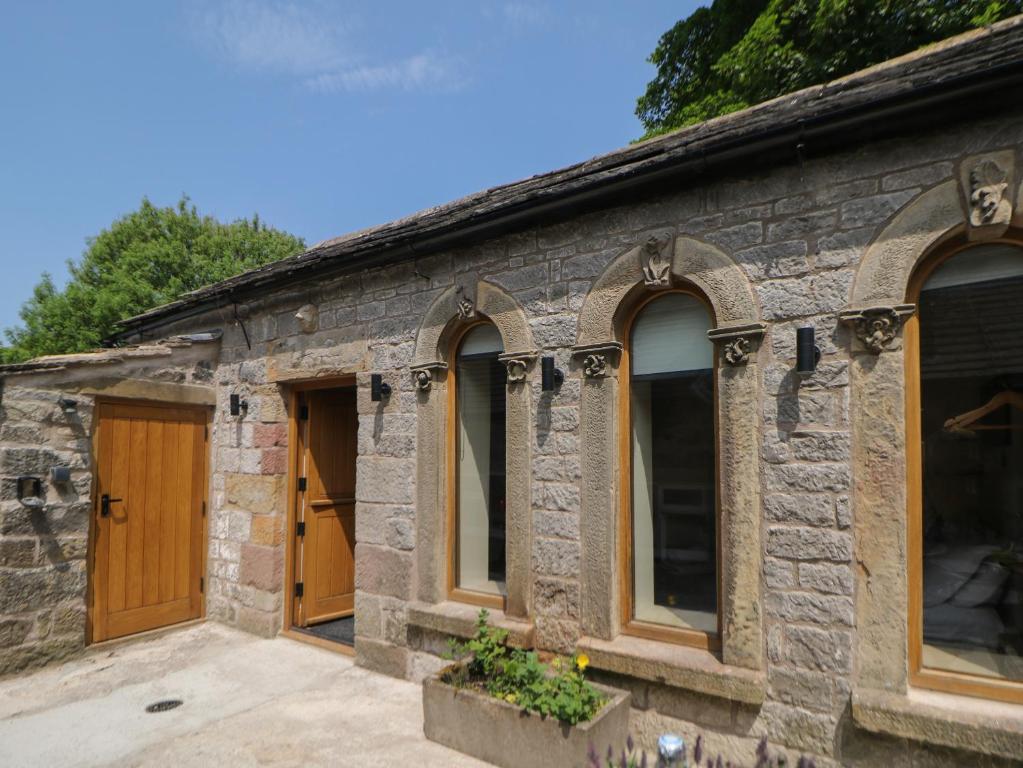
x=557, y=690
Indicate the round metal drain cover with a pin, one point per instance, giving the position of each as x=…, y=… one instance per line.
x=163, y=706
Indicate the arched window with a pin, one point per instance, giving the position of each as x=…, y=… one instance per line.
x=477, y=504
x=965, y=460
x=670, y=520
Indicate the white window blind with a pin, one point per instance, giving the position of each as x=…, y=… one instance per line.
x=481, y=340
x=670, y=335
x=979, y=264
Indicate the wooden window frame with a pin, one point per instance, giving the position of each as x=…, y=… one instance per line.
x=945, y=681
x=454, y=592
x=630, y=626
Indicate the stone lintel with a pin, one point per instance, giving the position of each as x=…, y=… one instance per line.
x=678, y=666
x=459, y=620
x=959, y=722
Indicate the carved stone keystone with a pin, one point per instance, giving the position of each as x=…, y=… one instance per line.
x=655, y=264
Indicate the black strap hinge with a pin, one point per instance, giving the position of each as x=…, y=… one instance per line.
x=301, y=483
x=300, y=529
x=299, y=588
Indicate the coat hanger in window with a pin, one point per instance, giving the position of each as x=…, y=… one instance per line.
x=967, y=422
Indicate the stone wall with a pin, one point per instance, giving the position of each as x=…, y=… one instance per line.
x=42, y=549
x=798, y=234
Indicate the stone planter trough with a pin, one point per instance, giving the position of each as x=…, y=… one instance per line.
x=506, y=735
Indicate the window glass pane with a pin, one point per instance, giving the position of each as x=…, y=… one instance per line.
x=674, y=511
x=971, y=390
x=670, y=334
x=480, y=464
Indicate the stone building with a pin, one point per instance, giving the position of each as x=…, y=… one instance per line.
x=577, y=400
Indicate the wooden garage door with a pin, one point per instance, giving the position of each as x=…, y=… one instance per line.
x=149, y=508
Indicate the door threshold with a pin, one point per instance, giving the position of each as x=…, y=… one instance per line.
x=305, y=636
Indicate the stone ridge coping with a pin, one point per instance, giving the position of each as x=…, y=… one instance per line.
x=966, y=64
x=675, y=665
x=113, y=356
x=459, y=620
x=960, y=722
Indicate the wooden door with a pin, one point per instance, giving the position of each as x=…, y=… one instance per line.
x=148, y=510
x=327, y=506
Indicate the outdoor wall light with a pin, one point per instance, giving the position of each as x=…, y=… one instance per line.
x=60, y=475
x=67, y=405
x=550, y=377
x=378, y=388
x=808, y=354
x=238, y=405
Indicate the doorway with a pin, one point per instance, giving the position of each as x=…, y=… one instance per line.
x=323, y=598
x=148, y=517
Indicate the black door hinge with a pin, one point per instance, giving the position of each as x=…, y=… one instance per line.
x=303, y=412
x=300, y=529
x=202, y=584
x=301, y=483
x=299, y=588
x=204, y=509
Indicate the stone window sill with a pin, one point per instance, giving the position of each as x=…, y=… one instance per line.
x=675, y=665
x=459, y=620
x=959, y=722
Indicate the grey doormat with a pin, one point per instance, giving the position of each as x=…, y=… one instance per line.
x=338, y=630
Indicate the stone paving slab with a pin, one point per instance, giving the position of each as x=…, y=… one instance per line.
x=247, y=701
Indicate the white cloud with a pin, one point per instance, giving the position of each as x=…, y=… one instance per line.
x=525, y=14
x=424, y=70
x=310, y=43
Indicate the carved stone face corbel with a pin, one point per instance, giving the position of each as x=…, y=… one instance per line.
x=518, y=364
x=655, y=261
x=423, y=375
x=987, y=181
x=598, y=360
x=739, y=342
x=876, y=328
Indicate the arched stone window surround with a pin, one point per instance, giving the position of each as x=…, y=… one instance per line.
x=450, y=314
x=931, y=221
x=654, y=266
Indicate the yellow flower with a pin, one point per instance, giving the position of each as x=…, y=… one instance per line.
x=582, y=661
x=511, y=698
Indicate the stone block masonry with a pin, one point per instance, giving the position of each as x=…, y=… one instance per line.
x=42, y=549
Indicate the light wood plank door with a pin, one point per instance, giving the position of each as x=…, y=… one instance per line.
x=148, y=512
x=327, y=506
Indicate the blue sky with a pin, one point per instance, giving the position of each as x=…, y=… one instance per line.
x=323, y=117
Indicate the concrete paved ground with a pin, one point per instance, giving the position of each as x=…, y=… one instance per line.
x=247, y=702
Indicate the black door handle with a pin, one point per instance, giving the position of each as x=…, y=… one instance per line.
x=104, y=504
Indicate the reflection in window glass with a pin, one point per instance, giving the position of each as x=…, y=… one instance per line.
x=480, y=461
x=674, y=518
x=971, y=394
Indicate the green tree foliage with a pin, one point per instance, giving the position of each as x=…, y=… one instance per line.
x=147, y=258
x=737, y=53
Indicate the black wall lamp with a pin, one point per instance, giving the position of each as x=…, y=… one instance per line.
x=808, y=354
x=67, y=405
x=550, y=377
x=378, y=388
x=238, y=405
